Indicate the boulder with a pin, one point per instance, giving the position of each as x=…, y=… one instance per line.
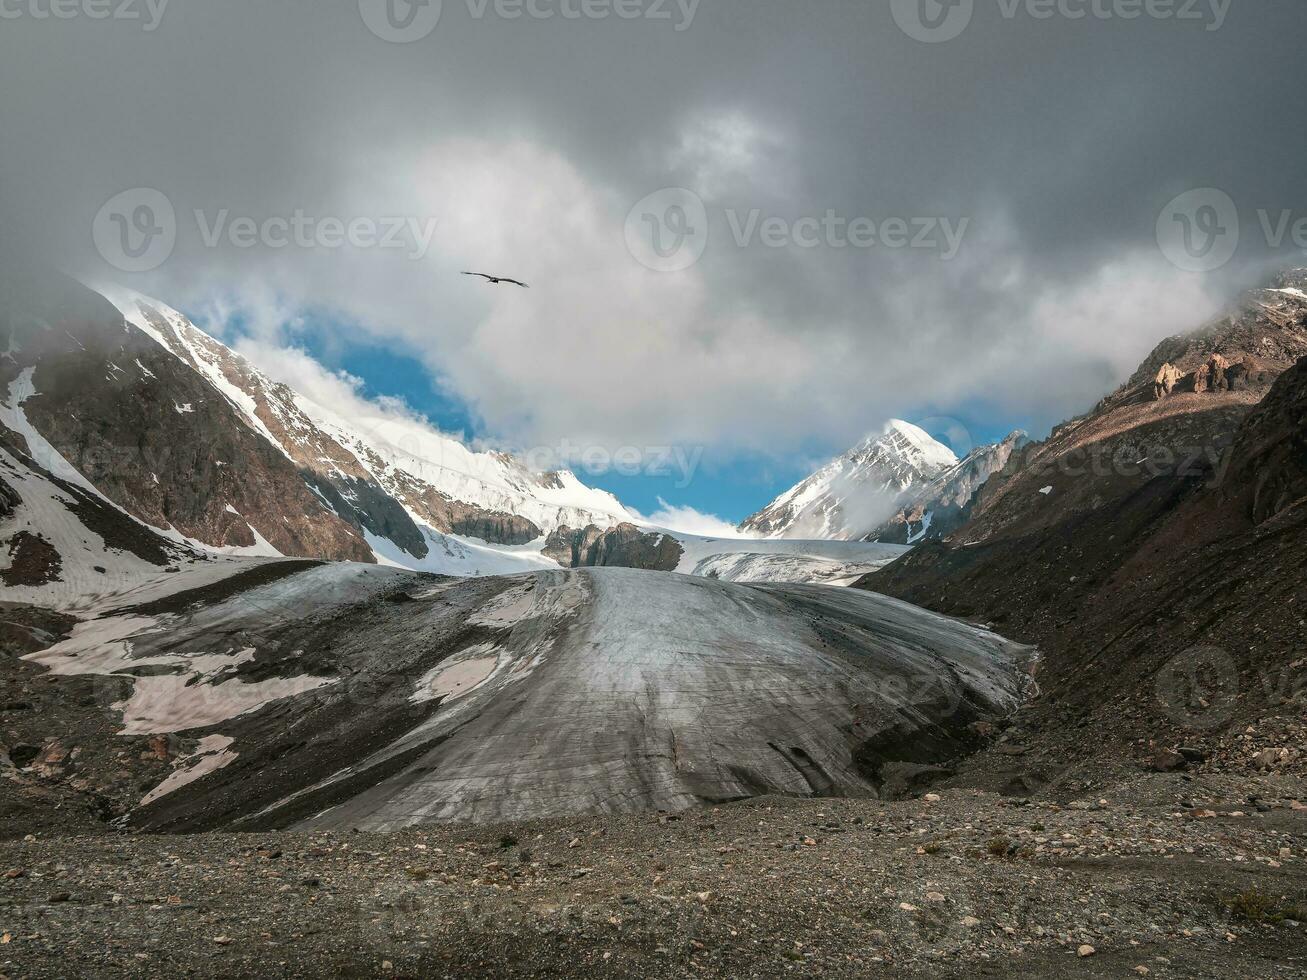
x=1168, y=376
x=1167, y=761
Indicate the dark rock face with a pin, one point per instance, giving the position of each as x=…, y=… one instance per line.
x=491, y=527
x=32, y=561
x=365, y=505
x=1268, y=470
x=624, y=546
x=568, y=547
x=9, y=500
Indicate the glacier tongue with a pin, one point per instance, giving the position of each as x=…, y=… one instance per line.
x=344, y=696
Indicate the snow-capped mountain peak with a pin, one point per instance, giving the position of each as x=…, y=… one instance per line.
x=856, y=491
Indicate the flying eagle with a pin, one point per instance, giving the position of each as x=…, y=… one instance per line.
x=496, y=280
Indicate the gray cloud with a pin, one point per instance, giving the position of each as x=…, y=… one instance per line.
x=1059, y=141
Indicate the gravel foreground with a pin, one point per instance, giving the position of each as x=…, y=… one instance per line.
x=1172, y=876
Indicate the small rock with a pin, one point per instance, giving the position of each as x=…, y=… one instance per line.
x=970, y=921
x=1086, y=950
x=1167, y=761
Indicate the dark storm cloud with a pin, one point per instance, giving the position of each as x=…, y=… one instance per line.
x=1053, y=141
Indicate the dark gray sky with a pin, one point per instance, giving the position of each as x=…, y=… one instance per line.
x=1052, y=145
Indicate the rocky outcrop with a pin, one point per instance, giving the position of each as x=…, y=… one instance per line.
x=1168, y=376
x=568, y=546
x=624, y=546
x=489, y=526
x=9, y=500
x=1216, y=374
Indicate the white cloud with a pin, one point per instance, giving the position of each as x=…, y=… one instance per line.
x=687, y=520
x=725, y=149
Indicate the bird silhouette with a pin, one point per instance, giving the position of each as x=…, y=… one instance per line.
x=497, y=279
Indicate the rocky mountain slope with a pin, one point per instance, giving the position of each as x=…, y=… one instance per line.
x=944, y=503
x=1153, y=549
x=1174, y=418
x=188, y=437
x=854, y=493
